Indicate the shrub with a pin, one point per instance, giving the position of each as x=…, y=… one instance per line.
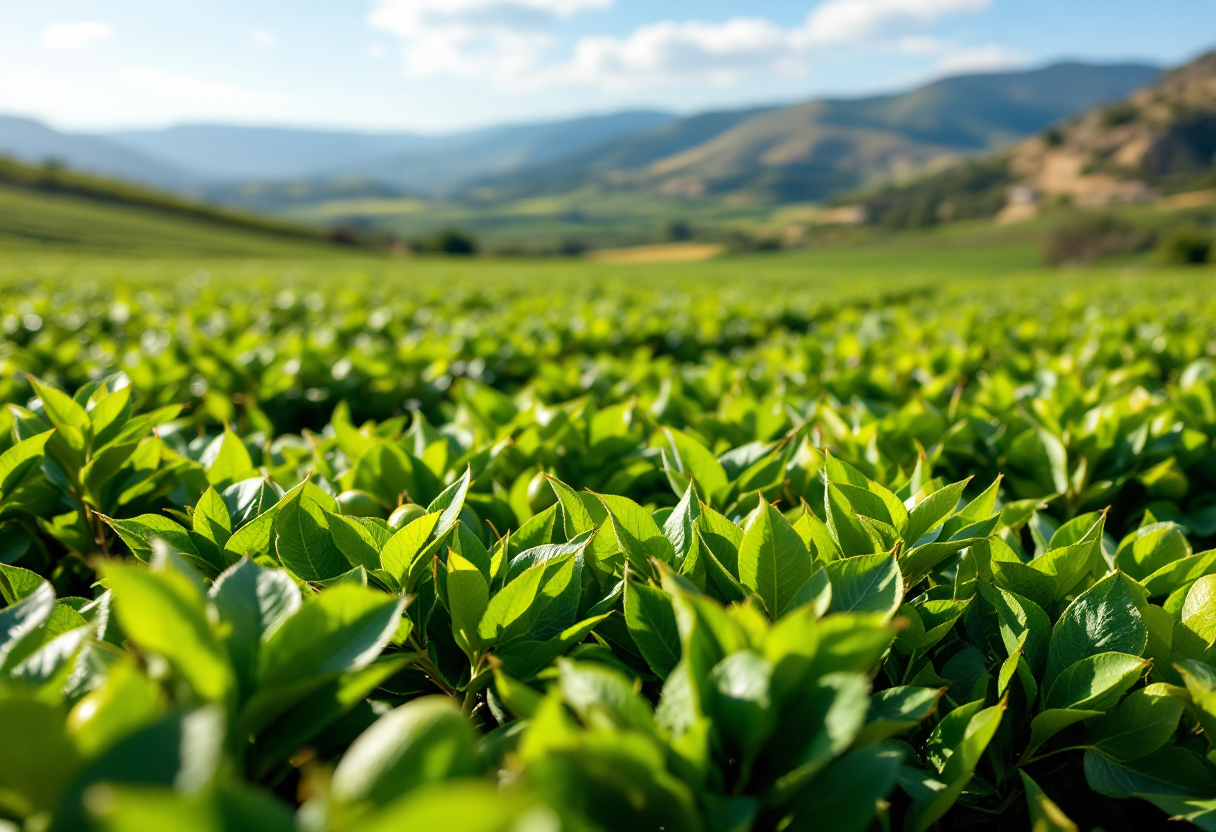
x=1092, y=236
x=678, y=231
x=1186, y=245
x=450, y=241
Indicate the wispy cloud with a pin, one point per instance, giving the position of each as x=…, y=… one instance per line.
x=851, y=21
x=474, y=38
x=510, y=43
x=75, y=35
x=991, y=57
x=263, y=38
x=668, y=50
x=218, y=95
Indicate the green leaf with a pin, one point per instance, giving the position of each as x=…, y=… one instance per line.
x=339, y=630
x=459, y=806
x=513, y=612
x=63, y=413
x=1199, y=609
x=1069, y=564
x=127, y=702
x=320, y=709
x=896, y=710
x=165, y=612
x=845, y=797
x=37, y=756
x=226, y=460
x=1017, y=616
x=303, y=542
x=681, y=524
x=722, y=539
x=1173, y=576
x=21, y=621
x=1094, y=683
x=574, y=513
x=866, y=584
x=637, y=534
x=773, y=560
x=1103, y=619
x=17, y=583
x=20, y=461
x=450, y=503
x=978, y=510
x=849, y=532
x=358, y=541
x=694, y=460
x=524, y=658
x=593, y=691
x=139, y=532
x=227, y=808
x=739, y=702
x=932, y=512
x=184, y=749
x=1142, y=723
x=424, y=741
x=403, y=549
x=1045, y=815
x=817, y=536
x=652, y=624
x=954, y=748
x=211, y=519
x=468, y=595
x=1168, y=771
x=254, y=602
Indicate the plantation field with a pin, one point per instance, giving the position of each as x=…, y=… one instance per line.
x=900, y=534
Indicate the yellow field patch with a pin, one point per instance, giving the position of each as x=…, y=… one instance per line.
x=665, y=253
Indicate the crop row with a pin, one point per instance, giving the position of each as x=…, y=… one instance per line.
x=614, y=613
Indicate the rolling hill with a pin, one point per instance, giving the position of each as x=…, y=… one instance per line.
x=56, y=211
x=1158, y=140
x=32, y=142
x=815, y=149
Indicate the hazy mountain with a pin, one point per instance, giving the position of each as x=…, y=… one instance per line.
x=228, y=153
x=821, y=147
x=466, y=158
x=805, y=151
x=624, y=154
x=1158, y=139
x=29, y=141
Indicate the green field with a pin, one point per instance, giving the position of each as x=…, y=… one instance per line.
x=900, y=532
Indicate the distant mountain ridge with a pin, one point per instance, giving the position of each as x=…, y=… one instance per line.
x=812, y=150
x=1158, y=139
x=30, y=141
x=807, y=151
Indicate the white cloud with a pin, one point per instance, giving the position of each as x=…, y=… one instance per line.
x=509, y=43
x=922, y=45
x=76, y=35
x=850, y=21
x=263, y=38
x=199, y=90
x=494, y=39
x=989, y=58
x=724, y=52
x=668, y=50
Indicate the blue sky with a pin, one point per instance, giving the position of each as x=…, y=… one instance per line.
x=439, y=65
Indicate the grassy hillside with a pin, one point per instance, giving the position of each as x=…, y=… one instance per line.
x=817, y=148
x=1156, y=141
x=55, y=212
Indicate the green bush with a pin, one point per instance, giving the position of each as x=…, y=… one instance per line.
x=1187, y=245
x=450, y=241
x=803, y=554
x=1089, y=237
x=891, y=649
